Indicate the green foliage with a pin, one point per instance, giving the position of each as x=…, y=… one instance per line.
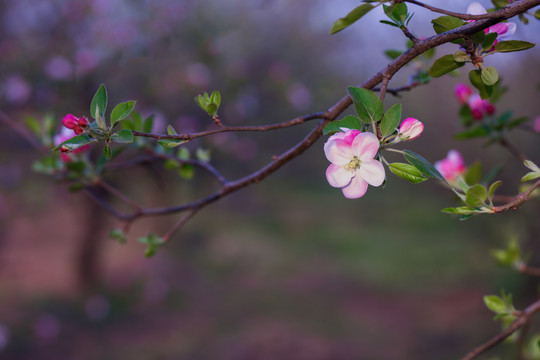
x=121, y=111
x=489, y=76
x=367, y=104
x=349, y=122
x=99, y=105
x=502, y=306
x=352, y=17
x=123, y=136
x=407, y=172
x=475, y=196
x=153, y=243
x=424, y=166
x=500, y=3
x=475, y=77
x=444, y=65
x=118, y=235
x=210, y=104
x=534, y=174
x=446, y=23
x=513, y=45
x=398, y=14
x=509, y=257
x=391, y=120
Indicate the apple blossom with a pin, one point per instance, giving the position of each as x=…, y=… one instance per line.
x=452, y=166
x=480, y=107
x=503, y=30
x=410, y=129
x=353, y=167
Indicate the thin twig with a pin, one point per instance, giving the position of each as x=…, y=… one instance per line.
x=461, y=16
x=120, y=195
x=522, y=319
x=514, y=150
x=517, y=200
x=529, y=270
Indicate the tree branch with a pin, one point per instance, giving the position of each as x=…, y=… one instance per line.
x=461, y=16
x=517, y=200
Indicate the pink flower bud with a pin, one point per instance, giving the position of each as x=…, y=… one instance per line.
x=410, y=129
x=452, y=166
x=83, y=122
x=70, y=121
x=462, y=92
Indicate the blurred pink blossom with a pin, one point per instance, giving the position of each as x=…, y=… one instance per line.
x=59, y=68
x=462, y=92
x=17, y=90
x=536, y=124
x=480, y=107
x=452, y=166
x=353, y=165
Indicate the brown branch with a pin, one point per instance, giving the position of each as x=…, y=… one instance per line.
x=528, y=270
x=396, y=91
x=517, y=200
x=187, y=137
x=521, y=321
x=461, y=16
x=120, y=195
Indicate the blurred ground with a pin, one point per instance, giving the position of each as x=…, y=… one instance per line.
x=285, y=269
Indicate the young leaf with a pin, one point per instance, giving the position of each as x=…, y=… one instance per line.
x=487, y=44
x=107, y=152
x=531, y=166
x=530, y=176
x=489, y=75
x=495, y=304
x=423, y=165
x=148, y=124
x=393, y=54
x=124, y=136
x=445, y=23
x=475, y=78
x=33, y=125
x=444, y=65
x=99, y=101
x=171, y=131
x=473, y=174
x=367, y=104
x=493, y=188
x=170, y=143
x=512, y=45
x=462, y=210
x=407, y=172
x=390, y=120
x=350, y=18
x=121, y=111
x=118, y=235
x=461, y=56
x=153, y=242
x=76, y=142
x=186, y=171
x=349, y=122
x=476, y=196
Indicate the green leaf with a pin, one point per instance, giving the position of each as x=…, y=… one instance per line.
x=537, y=14
x=202, y=155
x=493, y=187
x=107, y=152
x=423, y=165
x=33, y=125
x=121, y=111
x=388, y=23
x=186, y=171
x=367, y=104
x=530, y=176
x=183, y=153
x=476, y=196
x=487, y=44
x=153, y=243
x=124, y=136
x=397, y=13
x=350, y=18
x=444, y=65
x=99, y=101
x=170, y=143
x=489, y=75
x=76, y=142
x=461, y=56
x=495, y=304
x=393, y=54
x=349, y=122
x=118, y=235
x=171, y=131
x=215, y=98
x=148, y=124
x=531, y=166
x=513, y=45
x=473, y=174
x=391, y=120
x=445, y=23
x=407, y=172
x=462, y=210
x=475, y=77
x=500, y=3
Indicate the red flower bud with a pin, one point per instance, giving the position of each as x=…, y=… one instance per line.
x=83, y=122
x=477, y=114
x=70, y=121
x=64, y=148
x=78, y=130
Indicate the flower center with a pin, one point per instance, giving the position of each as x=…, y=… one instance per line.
x=353, y=164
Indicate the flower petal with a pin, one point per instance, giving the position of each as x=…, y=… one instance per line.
x=476, y=9
x=356, y=188
x=365, y=146
x=372, y=171
x=338, y=176
x=338, y=152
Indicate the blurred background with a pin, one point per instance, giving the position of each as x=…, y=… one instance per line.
x=285, y=269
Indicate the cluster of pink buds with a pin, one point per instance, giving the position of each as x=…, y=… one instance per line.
x=452, y=166
x=479, y=107
x=74, y=123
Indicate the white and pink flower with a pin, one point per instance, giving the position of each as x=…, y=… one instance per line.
x=410, y=129
x=452, y=166
x=353, y=167
x=479, y=107
x=503, y=30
